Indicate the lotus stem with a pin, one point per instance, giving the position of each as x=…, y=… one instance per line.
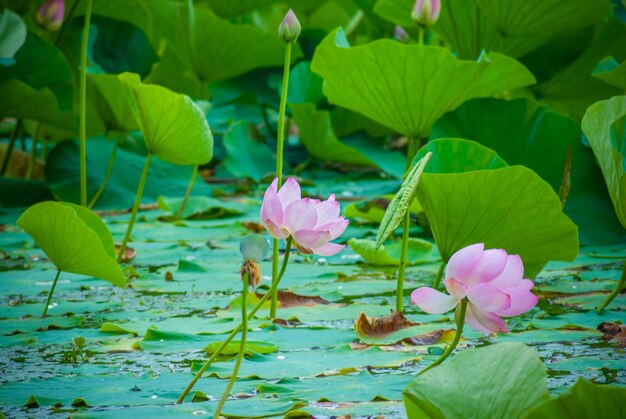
x=82, y=95
x=234, y=333
x=279, y=167
x=95, y=198
x=54, y=284
x=439, y=275
x=187, y=193
x=133, y=215
x=403, y=256
x=615, y=292
x=242, y=346
x=420, y=35
x=460, y=321
x=12, y=139
x=33, y=151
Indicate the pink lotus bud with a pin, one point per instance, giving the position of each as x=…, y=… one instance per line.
x=50, y=14
x=311, y=223
x=400, y=34
x=289, y=29
x=426, y=12
x=491, y=280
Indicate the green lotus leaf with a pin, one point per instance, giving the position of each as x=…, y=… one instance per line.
x=74, y=239
x=113, y=100
x=389, y=255
x=12, y=36
x=513, y=27
x=604, y=125
x=517, y=382
x=456, y=155
x=584, y=400
x=408, y=87
x=246, y=157
x=173, y=126
x=611, y=72
x=523, y=132
x=510, y=208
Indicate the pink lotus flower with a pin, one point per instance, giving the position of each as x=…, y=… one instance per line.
x=426, y=12
x=50, y=14
x=310, y=222
x=400, y=34
x=491, y=280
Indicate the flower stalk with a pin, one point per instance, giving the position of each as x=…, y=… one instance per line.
x=460, y=321
x=234, y=333
x=242, y=346
x=83, y=105
x=133, y=215
x=615, y=292
x=107, y=175
x=192, y=181
x=54, y=284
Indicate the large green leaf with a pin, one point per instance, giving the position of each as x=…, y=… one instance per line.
x=41, y=65
x=510, y=208
x=19, y=100
x=62, y=175
x=113, y=100
x=173, y=126
x=512, y=27
x=74, y=239
x=522, y=132
x=584, y=400
x=574, y=88
x=227, y=8
x=316, y=134
x=408, y=87
x=498, y=381
x=604, y=125
x=120, y=46
x=212, y=49
x=455, y=155
x=246, y=157
x=401, y=202
x=12, y=36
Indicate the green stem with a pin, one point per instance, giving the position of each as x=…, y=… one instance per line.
x=54, y=284
x=439, y=275
x=106, y=176
x=403, y=255
x=133, y=215
x=189, y=188
x=82, y=98
x=460, y=321
x=12, y=139
x=33, y=151
x=615, y=292
x=234, y=333
x=242, y=346
x=279, y=167
x=420, y=35
x=274, y=300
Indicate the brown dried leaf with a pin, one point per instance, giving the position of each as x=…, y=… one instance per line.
x=614, y=331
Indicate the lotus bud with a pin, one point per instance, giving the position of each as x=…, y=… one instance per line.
x=50, y=14
x=289, y=29
x=426, y=12
x=400, y=34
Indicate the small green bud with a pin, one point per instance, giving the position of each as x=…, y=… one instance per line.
x=289, y=29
